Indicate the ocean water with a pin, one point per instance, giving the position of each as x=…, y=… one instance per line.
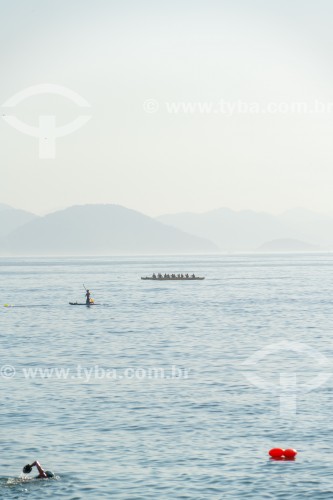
x=153, y=393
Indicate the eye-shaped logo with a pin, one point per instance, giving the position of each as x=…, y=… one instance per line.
x=287, y=389
x=46, y=132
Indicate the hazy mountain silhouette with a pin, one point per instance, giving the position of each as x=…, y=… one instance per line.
x=112, y=229
x=101, y=230
x=4, y=207
x=12, y=218
x=230, y=230
x=309, y=226
x=248, y=230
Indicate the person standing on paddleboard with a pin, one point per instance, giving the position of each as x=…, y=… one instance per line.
x=88, y=301
x=43, y=474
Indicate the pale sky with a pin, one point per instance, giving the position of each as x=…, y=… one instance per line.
x=125, y=56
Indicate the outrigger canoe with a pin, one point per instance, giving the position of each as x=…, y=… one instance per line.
x=172, y=279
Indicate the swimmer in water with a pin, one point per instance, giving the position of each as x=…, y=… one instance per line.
x=43, y=474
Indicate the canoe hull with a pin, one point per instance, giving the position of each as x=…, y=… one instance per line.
x=172, y=279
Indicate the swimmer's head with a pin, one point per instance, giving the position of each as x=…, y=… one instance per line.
x=27, y=469
x=49, y=473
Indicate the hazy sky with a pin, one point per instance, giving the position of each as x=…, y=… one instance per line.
x=130, y=60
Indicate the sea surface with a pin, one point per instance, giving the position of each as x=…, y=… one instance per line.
x=167, y=390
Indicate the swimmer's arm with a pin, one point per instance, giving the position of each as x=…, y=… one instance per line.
x=39, y=468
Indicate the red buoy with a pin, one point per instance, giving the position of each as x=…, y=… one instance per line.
x=290, y=454
x=276, y=453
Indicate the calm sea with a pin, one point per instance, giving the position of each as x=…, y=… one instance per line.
x=146, y=395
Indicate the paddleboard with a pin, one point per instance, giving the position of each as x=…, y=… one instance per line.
x=81, y=304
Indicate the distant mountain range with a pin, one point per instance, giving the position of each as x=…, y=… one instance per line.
x=12, y=218
x=99, y=230
x=249, y=231
x=116, y=230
